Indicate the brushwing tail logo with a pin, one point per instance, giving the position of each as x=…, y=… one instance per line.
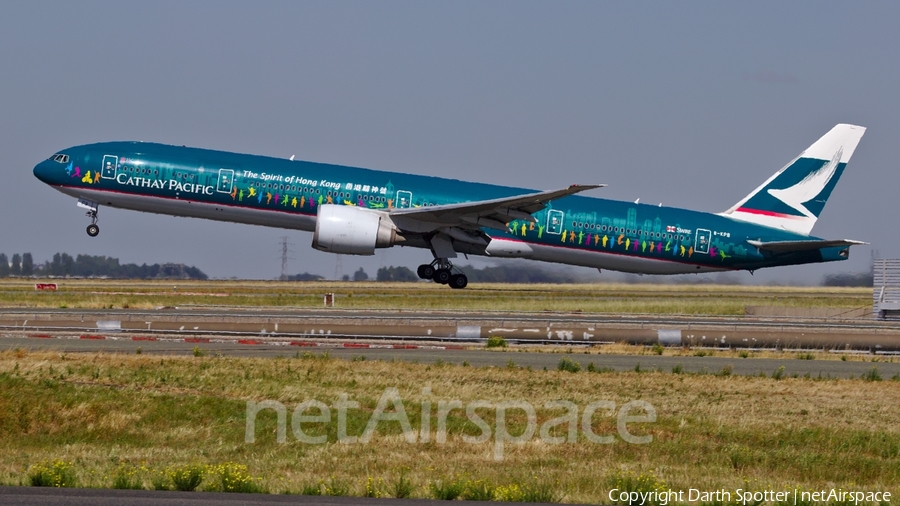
x=810, y=186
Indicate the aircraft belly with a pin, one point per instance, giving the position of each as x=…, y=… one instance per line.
x=195, y=209
x=616, y=262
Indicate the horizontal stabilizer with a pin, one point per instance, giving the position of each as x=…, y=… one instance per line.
x=792, y=246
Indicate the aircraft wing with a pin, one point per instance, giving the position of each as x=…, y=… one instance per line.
x=494, y=213
x=792, y=246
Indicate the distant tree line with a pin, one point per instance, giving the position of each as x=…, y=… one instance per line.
x=396, y=274
x=303, y=276
x=849, y=279
x=384, y=274
x=519, y=273
x=86, y=266
x=513, y=273
x=21, y=265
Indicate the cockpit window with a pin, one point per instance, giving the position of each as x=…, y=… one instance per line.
x=60, y=158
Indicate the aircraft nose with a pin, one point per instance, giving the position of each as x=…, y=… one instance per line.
x=47, y=170
x=41, y=171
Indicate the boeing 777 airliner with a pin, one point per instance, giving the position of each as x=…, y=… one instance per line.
x=354, y=211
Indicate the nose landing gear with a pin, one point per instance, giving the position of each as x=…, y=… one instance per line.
x=441, y=271
x=92, y=229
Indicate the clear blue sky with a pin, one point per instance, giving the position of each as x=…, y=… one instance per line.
x=692, y=104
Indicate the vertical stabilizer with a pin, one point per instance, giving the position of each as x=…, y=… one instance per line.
x=794, y=197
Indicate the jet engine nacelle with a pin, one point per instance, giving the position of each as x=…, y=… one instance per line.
x=349, y=230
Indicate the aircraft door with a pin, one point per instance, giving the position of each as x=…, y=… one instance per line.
x=555, y=219
x=109, y=167
x=702, y=242
x=404, y=199
x=226, y=181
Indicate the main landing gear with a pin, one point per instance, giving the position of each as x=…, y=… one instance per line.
x=93, y=229
x=441, y=271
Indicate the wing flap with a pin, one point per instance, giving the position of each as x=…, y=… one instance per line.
x=805, y=245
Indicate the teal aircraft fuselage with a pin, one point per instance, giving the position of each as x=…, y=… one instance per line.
x=281, y=193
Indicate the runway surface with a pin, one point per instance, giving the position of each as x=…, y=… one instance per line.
x=888, y=366
x=39, y=496
x=461, y=326
x=429, y=316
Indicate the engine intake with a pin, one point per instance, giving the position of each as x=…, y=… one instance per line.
x=349, y=230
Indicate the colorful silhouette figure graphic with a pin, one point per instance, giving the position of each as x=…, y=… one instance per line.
x=644, y=247
x=564, y=236
x=294, y=202
x=524, y=227
x=251, y=192
x=580, y=236
x=77, y=172
x=268, y=198
x=69, y=169
x=690, y=251
x=682, y=250
x=233, y=193
x=620, y=239
x=96, y=177
x=605, y=240
x=241, y=196
x=87, y=178
x=540, y=231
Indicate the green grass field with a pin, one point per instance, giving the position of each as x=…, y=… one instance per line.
x=591, y=298
x=137, y=421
